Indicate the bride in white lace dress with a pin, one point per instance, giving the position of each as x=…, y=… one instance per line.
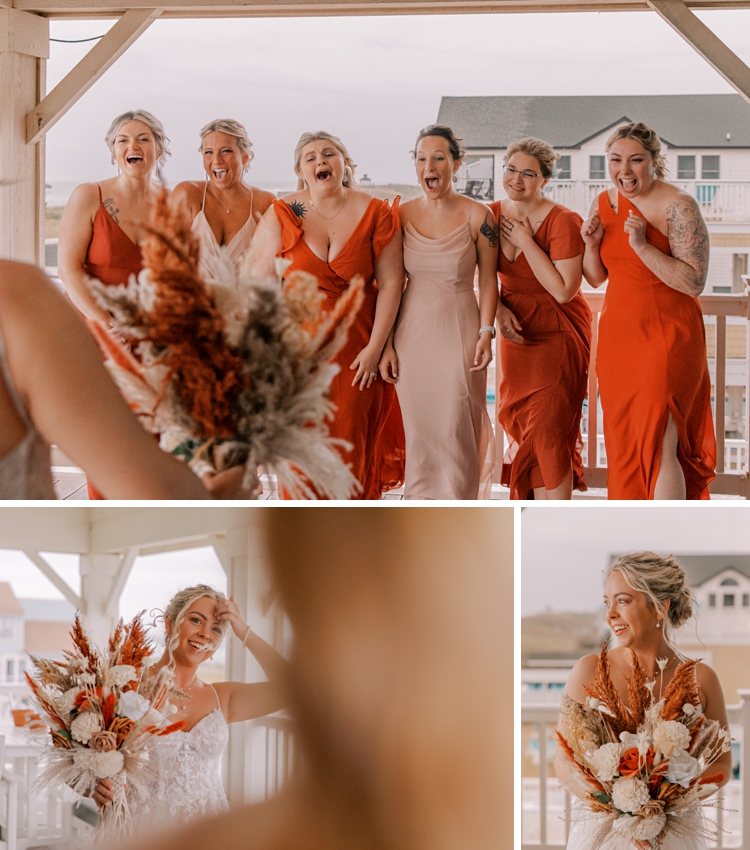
x=645, y=598
x=187, y=763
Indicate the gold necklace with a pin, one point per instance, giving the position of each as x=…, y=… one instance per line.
x=189, y=688
x=325, y=217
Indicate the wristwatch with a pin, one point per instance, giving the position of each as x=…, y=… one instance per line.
x=490, y=328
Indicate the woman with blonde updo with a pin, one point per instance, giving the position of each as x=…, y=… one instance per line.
x=545, y=327
x=224, y=209
x=335, y=231
x=648, y=238
x=187, y=783
x=646, y=598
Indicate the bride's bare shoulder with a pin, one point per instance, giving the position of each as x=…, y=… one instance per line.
x=581, y=675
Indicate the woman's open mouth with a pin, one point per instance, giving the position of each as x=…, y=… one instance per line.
x=198, y=647
x=618, y=629
x=628, y=183
x=220, y=173
x=325, y=174
x=432, y=182
x=134, y=159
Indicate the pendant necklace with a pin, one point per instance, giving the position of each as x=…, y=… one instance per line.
x=327, y=217
x=189, y=688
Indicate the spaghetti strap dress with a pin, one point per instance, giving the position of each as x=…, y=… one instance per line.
x=111, y=258
x=651, y=362
x=370, y=420
x=545, y=379
x=210, y=250
x=449, y=440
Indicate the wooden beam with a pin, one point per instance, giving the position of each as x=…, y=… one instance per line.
x=217, y=544
x=102, y=56
x=64, y=588
x=705, y=43
x=121, y=577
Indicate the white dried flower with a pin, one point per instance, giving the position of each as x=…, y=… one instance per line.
x=682, y=769
x=706, y=790
x=84, y=726
x=629, y=739
x=671, y=736
x=688, y=709
x=66, y=701
x=641, y=829
x=604, y=761
x=133, y=705
x=107, y=764
x=629, y=795
x=121, y=674
x=87, y=678
x=593, y=702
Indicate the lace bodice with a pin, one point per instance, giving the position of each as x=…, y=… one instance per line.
x=188, y=784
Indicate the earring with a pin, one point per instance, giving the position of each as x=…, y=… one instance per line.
x=658, y=625
x=455, y=178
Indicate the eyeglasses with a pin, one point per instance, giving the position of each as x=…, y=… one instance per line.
x=527, y=175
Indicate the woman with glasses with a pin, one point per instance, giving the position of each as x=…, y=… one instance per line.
x=649, y=239
x=545, y=326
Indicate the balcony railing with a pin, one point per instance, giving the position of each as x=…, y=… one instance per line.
x=732, y=473
x=719, y=200
x=545, y=806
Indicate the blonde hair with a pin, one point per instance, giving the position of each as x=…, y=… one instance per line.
x=660, y=580
x=153, y=124
x=177, y=609
x=647, y=137
x=231, y=128
x=322, y=136
x=542, y=152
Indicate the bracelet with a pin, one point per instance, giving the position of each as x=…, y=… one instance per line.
x=490, y=328
x=244, y=640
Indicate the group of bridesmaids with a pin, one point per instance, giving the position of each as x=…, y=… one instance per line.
x=410, y=393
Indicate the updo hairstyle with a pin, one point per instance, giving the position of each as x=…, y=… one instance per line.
x=231, y=128
x=542, y=152
x=648, y=138
x=322, y=136
x=455, y=145
x=153, y=124
x=177, y=609
x=659, y=580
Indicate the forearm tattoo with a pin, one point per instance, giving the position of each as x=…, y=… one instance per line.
x=109, y=206
x=298, y=208
x=490, y=229
x=688, y=240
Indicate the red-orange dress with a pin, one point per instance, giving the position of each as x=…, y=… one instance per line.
x=651, y=361
x=544, y=380
x=369, y=419
x=111, y=258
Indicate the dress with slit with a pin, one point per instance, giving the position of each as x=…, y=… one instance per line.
x=449, y=440
x=370, y=419
x=210, y=250
x=544, y=380
x=112, y=257
x=651, y=362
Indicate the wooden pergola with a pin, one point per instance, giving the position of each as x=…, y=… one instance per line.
x=28, y=111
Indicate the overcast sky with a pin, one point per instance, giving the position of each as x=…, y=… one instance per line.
x=564, y=550
x=375, y=81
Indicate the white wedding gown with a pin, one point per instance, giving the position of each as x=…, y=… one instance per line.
x=188, y=783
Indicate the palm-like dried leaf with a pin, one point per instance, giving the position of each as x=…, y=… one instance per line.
x=681, y=690
x=639, y=695
x=603, y=689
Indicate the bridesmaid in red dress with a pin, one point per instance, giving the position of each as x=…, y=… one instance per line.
x=546, y=329
x=102, y=225
x=649, y=239
x=335, y=231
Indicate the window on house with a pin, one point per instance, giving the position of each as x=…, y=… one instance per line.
x=739, y=268
x=476, y=178
x=746, y=600
x=711, y=600
x=710, y=168
x=6, y=628
x=563, y=168
x=686, y=168
x=729, y=600
x=729, y=582
x=597, y=168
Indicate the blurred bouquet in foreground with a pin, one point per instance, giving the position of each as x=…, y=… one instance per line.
x=640, y=768
x=102, y=716
x=228, y=369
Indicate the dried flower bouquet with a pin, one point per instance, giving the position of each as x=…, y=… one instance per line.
x=641, y=769
x=102, y=717
x=229, y=369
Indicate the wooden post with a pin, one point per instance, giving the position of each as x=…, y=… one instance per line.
x=24, y=49
x=98, y=574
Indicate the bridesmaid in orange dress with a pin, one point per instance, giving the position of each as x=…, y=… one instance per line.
x=649, y=239
x=335, y=231
x=546, y=329
x=102, y=225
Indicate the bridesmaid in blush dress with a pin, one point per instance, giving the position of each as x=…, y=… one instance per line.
x=443, y=338
x=546, y=330
x=648, y=238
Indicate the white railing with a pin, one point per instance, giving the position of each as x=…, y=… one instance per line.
x=735, y=454
x=279, y=752
x=545, y=806
x=719, y=200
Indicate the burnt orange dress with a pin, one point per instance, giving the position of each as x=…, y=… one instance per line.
x=651, y=361
x=369, y=419
x=111, y=258
x=544, y=380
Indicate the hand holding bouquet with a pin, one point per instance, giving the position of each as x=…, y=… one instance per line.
x=643, y=766
x=102, y=716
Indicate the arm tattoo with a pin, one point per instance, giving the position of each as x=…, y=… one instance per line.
x=688, y=240
x=298, y=208
x=490, y=230
x=109, y=206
